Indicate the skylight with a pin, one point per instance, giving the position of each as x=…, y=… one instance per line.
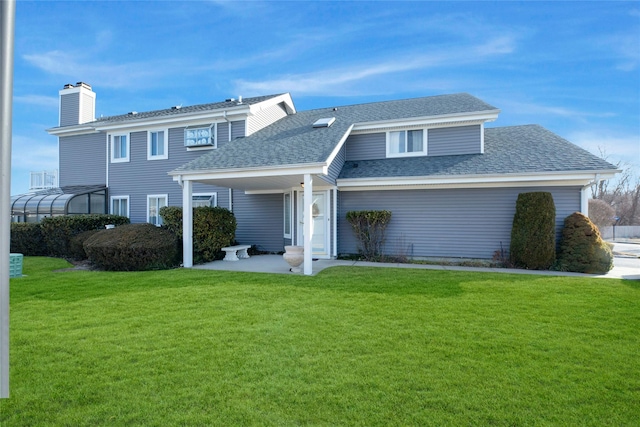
x=324, y=123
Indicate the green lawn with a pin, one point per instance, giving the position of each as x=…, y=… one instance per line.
x=350, y=346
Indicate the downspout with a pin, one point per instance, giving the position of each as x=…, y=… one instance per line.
x=230, y=200
x=224, y=116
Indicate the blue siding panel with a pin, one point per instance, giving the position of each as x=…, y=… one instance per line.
x=69, y=109
x=454, y=140
x=237, y=129
x=260, y=220
x=83, y=160
x=466, y=223
x=370, y=146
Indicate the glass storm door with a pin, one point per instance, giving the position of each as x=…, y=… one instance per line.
x=319, y=228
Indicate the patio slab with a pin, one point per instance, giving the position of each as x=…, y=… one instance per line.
x=276, y=264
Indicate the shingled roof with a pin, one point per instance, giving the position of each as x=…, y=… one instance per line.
x=293, y=141
x=508, y=150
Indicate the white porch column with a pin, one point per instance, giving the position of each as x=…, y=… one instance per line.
x=308, y=224
x=335, y=223
x=187, y=224
x=584, y=200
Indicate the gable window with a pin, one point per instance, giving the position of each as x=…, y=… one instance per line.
x=202, y=199
x=119, y=148
x=157, y=145
x=154, y=203
x=405, y=143
x=204, y=136
x=120, y=205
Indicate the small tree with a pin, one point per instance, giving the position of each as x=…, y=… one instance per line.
x=601, y=213
x=582, y=249
x=369, y=228
x=533, y=235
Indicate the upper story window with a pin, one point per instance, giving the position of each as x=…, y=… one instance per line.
x=157, y=144
x=200, y=136
x=119, y=148
x=406, y=143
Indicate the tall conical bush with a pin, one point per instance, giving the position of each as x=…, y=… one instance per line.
x=533, y=234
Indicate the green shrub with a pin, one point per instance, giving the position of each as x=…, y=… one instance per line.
x=369, y=228
x=213, y=229
x=133, y=247
x=76, y=245
x=58, y=231
x=582, y=249
x=27, y=239
x=533, y=234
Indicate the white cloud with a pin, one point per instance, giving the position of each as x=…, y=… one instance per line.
x=342, y=80
x=524, y=108
x=40, y=100
x=30, y=155
x=73, y=66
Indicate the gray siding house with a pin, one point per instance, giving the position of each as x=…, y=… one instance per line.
x=290, y=177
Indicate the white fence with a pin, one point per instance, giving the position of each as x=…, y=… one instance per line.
x=622, y=232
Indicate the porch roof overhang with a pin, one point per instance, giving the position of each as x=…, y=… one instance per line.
x=255, y=180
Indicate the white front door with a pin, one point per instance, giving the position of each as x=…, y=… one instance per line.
x=320, y=226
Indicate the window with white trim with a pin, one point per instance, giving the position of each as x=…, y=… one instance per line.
x=154, y=203
x=288, y=214
x=120, y=205
x=203, y=136
x=119, y=148
x=157, y=144
x=204, y=199
x=406, y=143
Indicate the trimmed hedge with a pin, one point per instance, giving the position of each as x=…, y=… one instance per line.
x=369, y=228
x=213, y=229
x=58, y=231
x=27, y=239
x=76, y=245
x=533, y=234
x=133, y=247
x=582, y=249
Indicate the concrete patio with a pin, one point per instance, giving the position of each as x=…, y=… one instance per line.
x=625, y=267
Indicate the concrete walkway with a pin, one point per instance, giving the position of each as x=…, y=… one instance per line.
x=626, y=265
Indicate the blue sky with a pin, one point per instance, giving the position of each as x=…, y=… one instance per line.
x=573, y=67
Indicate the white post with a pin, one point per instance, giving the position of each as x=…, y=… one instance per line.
x=335, y=222
x=187, y=224
x=308, y=224
x=7, y=34
x=584, y=200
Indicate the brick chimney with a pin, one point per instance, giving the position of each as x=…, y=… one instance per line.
x=77, y=104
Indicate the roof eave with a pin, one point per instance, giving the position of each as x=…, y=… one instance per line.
x=559, y=178
x=251, y=172
x=479, y=116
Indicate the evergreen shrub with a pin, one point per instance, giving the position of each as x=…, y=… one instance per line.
x=213, y=229
x=59, y=230
x=133, y=247
x=533, y=234
x=76, y=245
x=582, y=249
x=370, y=229
x=27, y=239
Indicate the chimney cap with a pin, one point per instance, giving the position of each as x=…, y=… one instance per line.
x=68, y=86
x=83, y=84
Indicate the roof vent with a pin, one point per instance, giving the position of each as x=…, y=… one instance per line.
x=176, y=107
x=132, y=113
x=324, y=123
x=229, y=100
x=239, y=99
